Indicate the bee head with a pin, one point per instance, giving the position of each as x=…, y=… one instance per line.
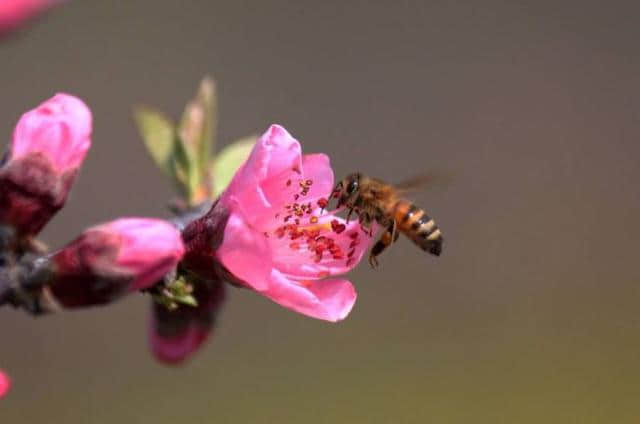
x=347, y=189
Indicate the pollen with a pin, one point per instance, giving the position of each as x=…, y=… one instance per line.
x=323, y=203
x=313, y=220
x=294, y=245
x=337, y=227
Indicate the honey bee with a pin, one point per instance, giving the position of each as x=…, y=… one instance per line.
x=374, y=200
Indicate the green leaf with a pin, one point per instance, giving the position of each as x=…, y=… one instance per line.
x=186, y=299
x=229, y=160
x=182, y=168
x=198, y=126
x=158, y=133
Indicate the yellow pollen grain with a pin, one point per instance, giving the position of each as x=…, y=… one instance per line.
x=319, y=227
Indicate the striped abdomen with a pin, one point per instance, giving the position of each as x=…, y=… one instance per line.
x=418, y=226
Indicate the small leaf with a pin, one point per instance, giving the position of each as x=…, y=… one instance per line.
x=198, y=126
x=158, y=134
x=186, y=299
x=182, y=168
x=229, y=160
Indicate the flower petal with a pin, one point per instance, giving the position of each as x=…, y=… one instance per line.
x=314, y=181
x=245, y=253
x=329, y=300
x=317, y=168
x=276, y=154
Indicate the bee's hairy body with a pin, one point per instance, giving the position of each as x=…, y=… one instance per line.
x=374, y=200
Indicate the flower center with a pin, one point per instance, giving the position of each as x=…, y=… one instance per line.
x=301, y=224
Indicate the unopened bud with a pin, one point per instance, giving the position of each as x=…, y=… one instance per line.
x=48, y=147
x=14, y=13
x=5, y=383
x=112, y=259
x=175, y=335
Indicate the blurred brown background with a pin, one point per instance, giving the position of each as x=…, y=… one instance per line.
x=532, y=315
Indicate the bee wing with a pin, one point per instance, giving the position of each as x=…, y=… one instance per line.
x=421, y=181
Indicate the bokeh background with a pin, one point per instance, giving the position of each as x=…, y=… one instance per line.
x=529, y=108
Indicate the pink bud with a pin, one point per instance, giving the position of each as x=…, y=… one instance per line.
x=48, y=147
x=112, y=259
x=13, y=13
x=59, y=129
x=5, y=383
x=175, y=335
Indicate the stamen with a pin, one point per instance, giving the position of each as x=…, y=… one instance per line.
x=337, y=227
x=323, y=203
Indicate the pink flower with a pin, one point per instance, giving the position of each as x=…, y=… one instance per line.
x=112, y=259
x=5, y=383
x=176, y=335
x=13, y=13
x=277, y=241
x=48, y=147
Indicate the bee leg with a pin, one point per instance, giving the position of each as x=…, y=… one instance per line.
x=365, y=222
x=349, y=214
x=389, y=236
x=394, y=231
